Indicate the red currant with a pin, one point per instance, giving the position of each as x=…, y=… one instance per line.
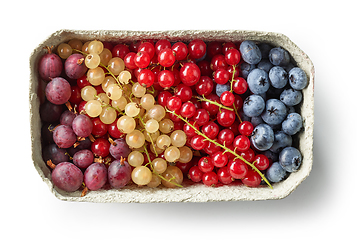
x=198, y=142
x=114, y=131
x=238, y=169
x=241, y=143
x=224, y=176
x=218, y=61
x=190, y=73
x=240, y=85
x=180, y=50
x=246, y=128
x=252, y=179
x=165, y=78
x=228, y=45
x=221, y=76
x=225, y=137
x=120, y=50
x=227, y=98
x=166, y=57
x=147, y=47
x=214, y=48
x=248, y=155
x=261, y=162
x=211, y=148
x=187, y=110
x=205, y=68
x=129, y=60
x=163, y=97
x=204, y=86
x=99, y=128
x=205, y=164
x=212, y=109
x=195, y=174
x=100, y=147
x=197, y=48
x=142, y=59
x=232, y=56
x=75, y=95
x=201, y=117
x=219, y=159
x=146, y=78
x=226, y=117
x=190, y=132
x=210, y=129
x=210, y=179
x=162, y=44
x=174, y=103
x=184, y=92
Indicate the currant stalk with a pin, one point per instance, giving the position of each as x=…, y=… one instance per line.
x=203, y=98
x=222, y=146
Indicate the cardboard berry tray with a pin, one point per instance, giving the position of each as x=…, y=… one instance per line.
x=190, y=192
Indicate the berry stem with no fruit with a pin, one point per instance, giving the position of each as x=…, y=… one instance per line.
x=212, y=102
x=223, y=147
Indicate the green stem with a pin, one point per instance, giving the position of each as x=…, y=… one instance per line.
x=224, y=147
x=234, y=71
x=213, y=102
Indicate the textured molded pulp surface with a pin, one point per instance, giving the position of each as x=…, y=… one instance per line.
x=191, y=192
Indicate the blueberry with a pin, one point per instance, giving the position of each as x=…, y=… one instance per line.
x=281, y=141
x=220, y=88
x=290, y=159
x=265, y=65
x=279, y=56
x=246, y=69
x=274, y=157
x=250, y=52
x=292, y=124
x=297, y=78
x=275, y=173
x=253, y=105
x=265, y=49
x=291, y=97
x=275, y=112
x=278, y=77
x=258, y=81
x=256, y=121
x=262, y=137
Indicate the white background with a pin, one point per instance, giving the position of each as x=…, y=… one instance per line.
x=322, y=206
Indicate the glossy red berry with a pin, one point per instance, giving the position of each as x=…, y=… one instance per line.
x=100, y=147
x=190, y=74
x=261, y=162
x=147, y=47
x=163, y=97
x=190, y=132
x=129, y=60
x=195, y=174
x=227, y=98
x=204, y=86
x=246, y=128
x=224, y=176
x=238, y=169
x=99, y=128
x=162, y=44
x=201, y=117
x=210, y=129
x=120, y=50
x=210, y=179
x=225, y=137
x=197, y=48
x=184, y=92
x=166, y=57
x=218, y=61
x=232, y=56
x=226, y=117
x=221, y=76
x=173, y=103
x=146, y=78
x=219, y=159
x=240, y=85
x=165, y=78
x=248, y=155
x=211, y=148
x=187, y=110
x=252, y=179
x=198, y=142
x=142, y=59
x=180, y=49
x=241, y=143
x=205, y=164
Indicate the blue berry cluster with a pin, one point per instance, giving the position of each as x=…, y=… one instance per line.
x=275, y=89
